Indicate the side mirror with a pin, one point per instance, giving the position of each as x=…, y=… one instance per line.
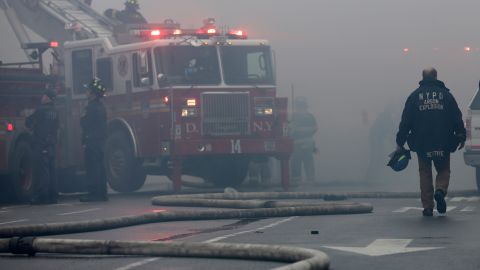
x=145, y=81
x=162, y=80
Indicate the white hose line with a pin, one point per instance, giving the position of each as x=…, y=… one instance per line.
x=125, y=221
x=300, y=258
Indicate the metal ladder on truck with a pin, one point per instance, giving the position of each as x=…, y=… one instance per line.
x=59, y=20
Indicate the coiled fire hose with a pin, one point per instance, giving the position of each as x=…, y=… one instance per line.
x=23, y=239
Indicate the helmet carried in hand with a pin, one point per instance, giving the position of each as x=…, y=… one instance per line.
x=399, y=159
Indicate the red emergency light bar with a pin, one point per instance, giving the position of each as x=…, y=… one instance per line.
x=53, y=44
x=170, y=29
x=155, y=33
x=237, y=34
x=206, y=32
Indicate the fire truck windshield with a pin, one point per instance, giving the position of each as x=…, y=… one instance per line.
x=247, y=65
x=187, y=65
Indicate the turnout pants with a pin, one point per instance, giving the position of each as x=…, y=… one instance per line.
x=95, y=170
x=305, y=158
x=442, y=166
x=44, y=176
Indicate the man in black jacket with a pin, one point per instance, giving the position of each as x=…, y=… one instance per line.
x=94, y=135
x=44, y=125
x=432, y=124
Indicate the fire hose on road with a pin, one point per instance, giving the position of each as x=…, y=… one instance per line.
x=22, y=239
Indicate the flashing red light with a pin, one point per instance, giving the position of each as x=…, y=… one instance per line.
x=53, y=44
x=406, y=50
x=211, y=31
x=467, y=49
x=10, y=127
x=239, y=33
x=166, y=99
x=155, y=33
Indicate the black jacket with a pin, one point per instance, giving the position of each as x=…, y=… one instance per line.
x=94, y=123
x=44, y=125
x=431, y=121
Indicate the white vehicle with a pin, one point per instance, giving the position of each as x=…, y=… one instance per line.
x=472, y=145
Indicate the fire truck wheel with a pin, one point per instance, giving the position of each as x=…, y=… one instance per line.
x=22, y=177
x=124, y=172
x=225, y=172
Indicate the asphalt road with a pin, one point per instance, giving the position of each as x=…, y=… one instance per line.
x=394, y=236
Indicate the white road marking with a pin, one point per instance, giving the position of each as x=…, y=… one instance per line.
x=137, y=264
x=468, y=199
x=468, y=209
x=216, y=239
x=405, y=209
x=14, y=221
x=79, y=212
x=1, y=212
x=15, y=207
x=382, y=247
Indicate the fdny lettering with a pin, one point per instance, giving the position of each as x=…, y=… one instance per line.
x=435, y=154
x=191, y=128
x=262, y=126
x=430, y=101
x=236, y=147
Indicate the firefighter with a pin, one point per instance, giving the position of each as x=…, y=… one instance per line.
x=130, y=15
x=304, y=127
x=94, y=134
x=44, y=125
x=432, y=126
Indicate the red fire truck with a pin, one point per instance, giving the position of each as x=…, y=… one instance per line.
x=21, y=86
x=200, y=101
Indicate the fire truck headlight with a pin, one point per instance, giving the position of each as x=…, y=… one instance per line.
x=189, y=112
x=263, y=111
x=264, y=106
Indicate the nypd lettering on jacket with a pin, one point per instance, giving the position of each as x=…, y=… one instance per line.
x=431, y=121
x=430, y=101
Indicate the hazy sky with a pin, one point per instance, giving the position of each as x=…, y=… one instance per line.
x=345, y=56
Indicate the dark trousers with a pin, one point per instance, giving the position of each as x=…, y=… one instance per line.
x=44, y=176
x=95, y=170
x=442, y=180
x=305, y=158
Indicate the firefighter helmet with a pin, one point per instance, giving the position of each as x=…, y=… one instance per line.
x=97, y=87
x=132, y=4
x=50, y=93
x=399, y=159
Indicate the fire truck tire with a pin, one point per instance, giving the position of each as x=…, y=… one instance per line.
x=22, y=177
x=226, y=172
x=124, y=172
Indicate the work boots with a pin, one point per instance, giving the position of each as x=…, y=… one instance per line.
x=427, y=212
x=440, y=199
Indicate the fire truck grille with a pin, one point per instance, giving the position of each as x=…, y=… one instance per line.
x=225, y=114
